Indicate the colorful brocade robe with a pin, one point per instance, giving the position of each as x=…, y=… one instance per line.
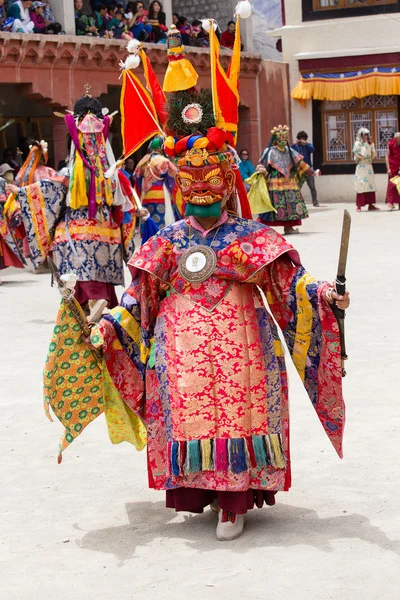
x=94, y=249
x=203, y=366
x=284, y=182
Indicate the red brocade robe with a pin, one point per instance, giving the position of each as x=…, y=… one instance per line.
x=203, y=366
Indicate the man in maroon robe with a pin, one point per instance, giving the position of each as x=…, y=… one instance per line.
x=393, y=169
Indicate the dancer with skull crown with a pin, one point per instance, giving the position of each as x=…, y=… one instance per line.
x=86, y=219
x=285, y=172
x=192, y=358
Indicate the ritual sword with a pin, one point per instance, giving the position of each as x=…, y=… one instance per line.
x=340, y=284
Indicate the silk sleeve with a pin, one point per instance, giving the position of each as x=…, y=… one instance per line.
x=297, y=302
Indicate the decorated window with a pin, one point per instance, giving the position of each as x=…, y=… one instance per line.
x=341, y=121
x=340, y=4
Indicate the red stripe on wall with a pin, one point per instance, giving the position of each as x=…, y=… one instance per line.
x=319, y=65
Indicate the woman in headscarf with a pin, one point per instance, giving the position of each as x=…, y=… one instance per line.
x=364, y=153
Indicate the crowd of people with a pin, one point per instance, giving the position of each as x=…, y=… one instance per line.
x=364, y=154
x=108, y=19
x=27, y=16
x=133, y=20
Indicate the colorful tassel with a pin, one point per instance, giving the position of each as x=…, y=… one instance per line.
x=252, y=456
x=279, y=457
x=259, y=450
x=193, y=457
x=221, y=455
x=268, y=451
x=237, y=455
x=175, y=471
x=207, y=455
x=182, y=456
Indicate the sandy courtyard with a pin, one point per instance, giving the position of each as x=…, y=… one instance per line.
x=90, y=529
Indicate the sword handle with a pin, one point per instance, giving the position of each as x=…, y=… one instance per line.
x=340, y=285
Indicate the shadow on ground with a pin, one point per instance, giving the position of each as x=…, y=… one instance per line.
x=13, y=283
x=282, y=525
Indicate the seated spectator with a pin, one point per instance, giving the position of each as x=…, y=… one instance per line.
x=246, y=167
x=186, y=30
x=41, y=25
x=117, y=26
x=48, y=12
x=111, y=10
x=84, y=24
x=138, y=21
x=99, y=16
x=228, y=36
x=202, y=38
x=3, y=15
x=175, y=19
x=157, y=21
x=19, y=11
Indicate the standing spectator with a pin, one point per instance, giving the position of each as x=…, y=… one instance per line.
x=19, y=11
x=84, y=25
x=129, y=168
x=364, y=153
x=228, y=36
x=393, y=169
x=138, y=23
x=246, y=167
x=306, y=150
x=9, y=158
x=41, y=24
x=157, y=21
x=175, y=19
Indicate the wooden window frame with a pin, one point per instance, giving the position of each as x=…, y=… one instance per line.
x=344, y=4
x=348, y=111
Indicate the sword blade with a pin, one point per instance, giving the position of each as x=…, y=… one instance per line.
x=344, y=245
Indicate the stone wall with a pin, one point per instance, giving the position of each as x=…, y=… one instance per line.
x=221, y=11
x=52, y=70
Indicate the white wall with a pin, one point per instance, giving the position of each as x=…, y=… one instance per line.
x=331, y=38
x=340, y=188
x=64, y=13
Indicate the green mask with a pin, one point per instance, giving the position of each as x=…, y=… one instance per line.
x=211, y=210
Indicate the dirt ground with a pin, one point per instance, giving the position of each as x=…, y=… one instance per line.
x=90, y=529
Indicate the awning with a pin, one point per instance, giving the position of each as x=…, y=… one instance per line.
x=383, y=81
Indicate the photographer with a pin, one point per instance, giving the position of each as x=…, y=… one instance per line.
x=306, y=150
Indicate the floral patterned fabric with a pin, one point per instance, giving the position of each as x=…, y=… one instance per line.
x=10, y=251
x=364, y=154
x=203, y=365
x=284, y=182
x=93, y=248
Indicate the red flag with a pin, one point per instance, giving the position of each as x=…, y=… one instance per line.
x=139, y=121
x=154, y=87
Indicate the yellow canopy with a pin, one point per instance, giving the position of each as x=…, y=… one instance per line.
x=344, y=86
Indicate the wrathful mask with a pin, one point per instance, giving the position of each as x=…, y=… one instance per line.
x=206, y=185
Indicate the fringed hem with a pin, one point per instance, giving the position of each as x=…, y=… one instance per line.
x=236, y=455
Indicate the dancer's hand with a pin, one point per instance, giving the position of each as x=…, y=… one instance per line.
x=12, y=189
x=342, y=302
x=261, y=169
x=143, y=213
